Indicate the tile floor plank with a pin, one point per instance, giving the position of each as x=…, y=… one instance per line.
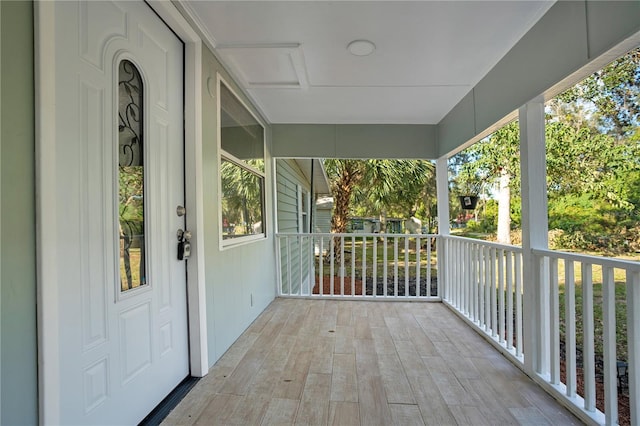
x=280, y=412
x=406, y=415
x=344, y=413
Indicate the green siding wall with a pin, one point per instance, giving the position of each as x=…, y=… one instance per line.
x=240, y=280
x=18, y=338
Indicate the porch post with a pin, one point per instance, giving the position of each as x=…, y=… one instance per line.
x=442, y=194
x=534, y=236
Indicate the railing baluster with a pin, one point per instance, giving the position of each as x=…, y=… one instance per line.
x=570, y=327
x=374, y=284
x=589, y=367
x=610, y=357
x=459, y=267
x=518, y=265
x=487, y=289
x=279, y=264
x=342, y=265
x=554, y=324
x=510, y=317
x=331, y=266
x=418, y=250
x=466, y=277
x=494, y=301
x=474, y=282
x=289, y=278
x=501, y=288
x=481, y=278
x=406, y=266
x=300, y=244
x=395, y=266
x=364, y=266
x=321, y=267
x=428, y=284
x=456, y=274
x=353, y=265
x=633, y=342
x=384, y=265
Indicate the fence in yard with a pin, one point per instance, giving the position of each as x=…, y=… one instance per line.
x=361, y=266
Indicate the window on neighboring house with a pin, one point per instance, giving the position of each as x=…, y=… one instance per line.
x=242, y=170
x=303, y=209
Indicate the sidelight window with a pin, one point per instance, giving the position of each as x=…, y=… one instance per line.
x=131, y=232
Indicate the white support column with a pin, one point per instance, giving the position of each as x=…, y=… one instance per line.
x=442, y=181
x=534, y=236
x=442, y=191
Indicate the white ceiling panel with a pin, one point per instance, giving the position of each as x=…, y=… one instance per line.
x=293, y=55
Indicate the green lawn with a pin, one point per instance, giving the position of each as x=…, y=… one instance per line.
x=405, y=257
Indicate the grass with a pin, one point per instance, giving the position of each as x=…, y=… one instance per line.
x=405, y=257
x=134, y=262
x=620, y=308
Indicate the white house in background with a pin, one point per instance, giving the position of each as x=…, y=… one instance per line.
x=170, y=116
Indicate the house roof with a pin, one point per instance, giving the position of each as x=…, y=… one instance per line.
x=320, y=179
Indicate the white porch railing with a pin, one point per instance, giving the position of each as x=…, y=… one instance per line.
x=579, y=357
x=591, y=363
x=361, y=266
x=484, y=284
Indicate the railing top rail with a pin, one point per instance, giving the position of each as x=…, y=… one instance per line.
x=352, y=234
x=512, y=248
x=590, y=259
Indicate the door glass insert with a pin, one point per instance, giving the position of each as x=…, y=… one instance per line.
x=131, y=177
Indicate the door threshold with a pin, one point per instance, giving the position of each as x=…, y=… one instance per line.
x=170, y=402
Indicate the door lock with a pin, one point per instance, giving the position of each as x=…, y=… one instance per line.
x=184, y=245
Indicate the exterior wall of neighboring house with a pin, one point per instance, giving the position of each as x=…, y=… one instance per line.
x=18, y=338
x=293, y=196
x=240, y=279
x=322, y=214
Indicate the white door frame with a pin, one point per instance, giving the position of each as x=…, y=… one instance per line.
x=47, y=260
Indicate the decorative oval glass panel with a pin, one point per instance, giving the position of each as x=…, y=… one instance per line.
x=131, y=178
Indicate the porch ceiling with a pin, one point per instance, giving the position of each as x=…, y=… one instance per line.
x=292, y=57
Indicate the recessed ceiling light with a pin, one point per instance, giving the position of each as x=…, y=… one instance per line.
x=361, y=47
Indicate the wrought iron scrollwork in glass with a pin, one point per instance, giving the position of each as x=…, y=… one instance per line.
x=131, y=177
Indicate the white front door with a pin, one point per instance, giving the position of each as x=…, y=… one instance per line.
x=121, y=307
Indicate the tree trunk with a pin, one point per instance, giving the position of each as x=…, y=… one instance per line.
x=342, y=190
x=383, y=221
x=504, y=208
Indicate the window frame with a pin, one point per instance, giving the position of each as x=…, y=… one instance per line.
x=226, y=156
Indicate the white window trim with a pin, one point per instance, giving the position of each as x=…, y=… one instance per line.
x=239, y=241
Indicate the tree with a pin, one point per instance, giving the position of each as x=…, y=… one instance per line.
x=612, y=94
x=376, y=186
x=496, y=161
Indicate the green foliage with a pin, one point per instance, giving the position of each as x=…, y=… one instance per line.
x=394, y=188
x=613, y=93
x=593, y=162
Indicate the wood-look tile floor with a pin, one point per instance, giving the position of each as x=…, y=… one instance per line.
x=325, y=362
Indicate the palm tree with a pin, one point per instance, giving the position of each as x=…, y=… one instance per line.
x=380, y=184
